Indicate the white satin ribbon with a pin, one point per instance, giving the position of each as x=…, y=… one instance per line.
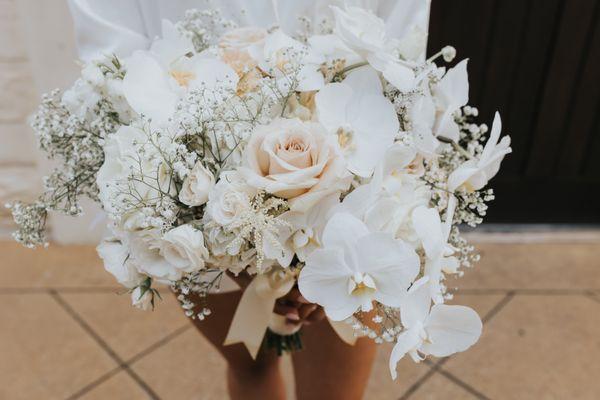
x=254, y=313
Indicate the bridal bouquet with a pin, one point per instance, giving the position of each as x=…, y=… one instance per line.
x=341, y=162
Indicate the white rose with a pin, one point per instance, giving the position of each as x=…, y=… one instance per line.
x=196, y=186
x=145, y=250
x=143, y=302
x=183, y=247
x=115, y=255
x=228, y=199
x=295, y=160
x=166, y=261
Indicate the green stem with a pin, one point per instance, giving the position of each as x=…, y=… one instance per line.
x=353, y=66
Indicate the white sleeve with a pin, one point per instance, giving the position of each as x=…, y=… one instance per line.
x=108, y=27
x=402, y=15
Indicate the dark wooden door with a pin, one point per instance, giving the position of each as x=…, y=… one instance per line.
x=538, y=63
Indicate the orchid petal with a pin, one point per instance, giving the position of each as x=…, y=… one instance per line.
x=407, y=341
x=451, y=329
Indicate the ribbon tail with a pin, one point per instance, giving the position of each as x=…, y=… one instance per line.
x=250, y=320
x=254, y=313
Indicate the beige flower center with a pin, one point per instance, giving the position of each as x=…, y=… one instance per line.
x=182, y=78
x=294, y=151
x=294, y=145
x=361, y=284
x=344, y=135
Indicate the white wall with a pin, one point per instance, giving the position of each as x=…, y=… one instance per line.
x=37, y=54
x=17, y=98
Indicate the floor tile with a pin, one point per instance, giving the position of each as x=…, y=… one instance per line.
x=439, y=387
x=482, y=303
x=534, y=265
x=127, y=330
x=381, y=386
x=57, y=266
x=185, y=368
x=537, y=347
x=45, y=354
x=118, y=387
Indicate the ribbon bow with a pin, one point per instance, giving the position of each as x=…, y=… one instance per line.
x=254, y=313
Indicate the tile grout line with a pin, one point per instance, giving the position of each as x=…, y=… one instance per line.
x=415, y=386
x=436, y=367
x=467, y=291
x=66, y=289
x=527, y=291
x=95, y=383
x=593, y=296
x=467, y=387
x=84, y=325
x=156, y=345
x=498, y=307
x=472, y=291
x=486, y=318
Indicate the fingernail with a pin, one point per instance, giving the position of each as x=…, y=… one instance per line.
x=312, y=307
x=292, y=316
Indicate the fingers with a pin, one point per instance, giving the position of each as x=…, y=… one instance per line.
x=289, y=311
x=295, y=296
x=306, y=310
x=297, y=309
x=315, y=316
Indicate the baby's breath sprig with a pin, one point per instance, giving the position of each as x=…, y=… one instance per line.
x=259, y=223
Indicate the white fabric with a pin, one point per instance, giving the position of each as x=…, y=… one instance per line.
x=121, y=26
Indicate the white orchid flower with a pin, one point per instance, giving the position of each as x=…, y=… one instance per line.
x=433, y=235
x=422, y=117
x=450, y=94
x=156, y=79
x=386, y=202
x=475, y=174
x=278, y=54
x=363, y=119
x=365, y=33
x=331, y=48
x=440, y=331
x=303, y=235
x=356, y=267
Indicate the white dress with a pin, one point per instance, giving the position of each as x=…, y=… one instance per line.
x=121, y=26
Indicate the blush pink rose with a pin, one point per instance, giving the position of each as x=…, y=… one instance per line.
x=295, y=160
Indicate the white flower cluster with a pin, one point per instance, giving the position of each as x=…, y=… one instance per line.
x=71, y=129
x=345, y=157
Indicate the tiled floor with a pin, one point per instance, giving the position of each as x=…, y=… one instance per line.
x=65, y=334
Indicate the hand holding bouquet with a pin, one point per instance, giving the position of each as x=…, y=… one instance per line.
x=340, y=162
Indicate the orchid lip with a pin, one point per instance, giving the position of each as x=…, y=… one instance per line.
x=360, y=284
